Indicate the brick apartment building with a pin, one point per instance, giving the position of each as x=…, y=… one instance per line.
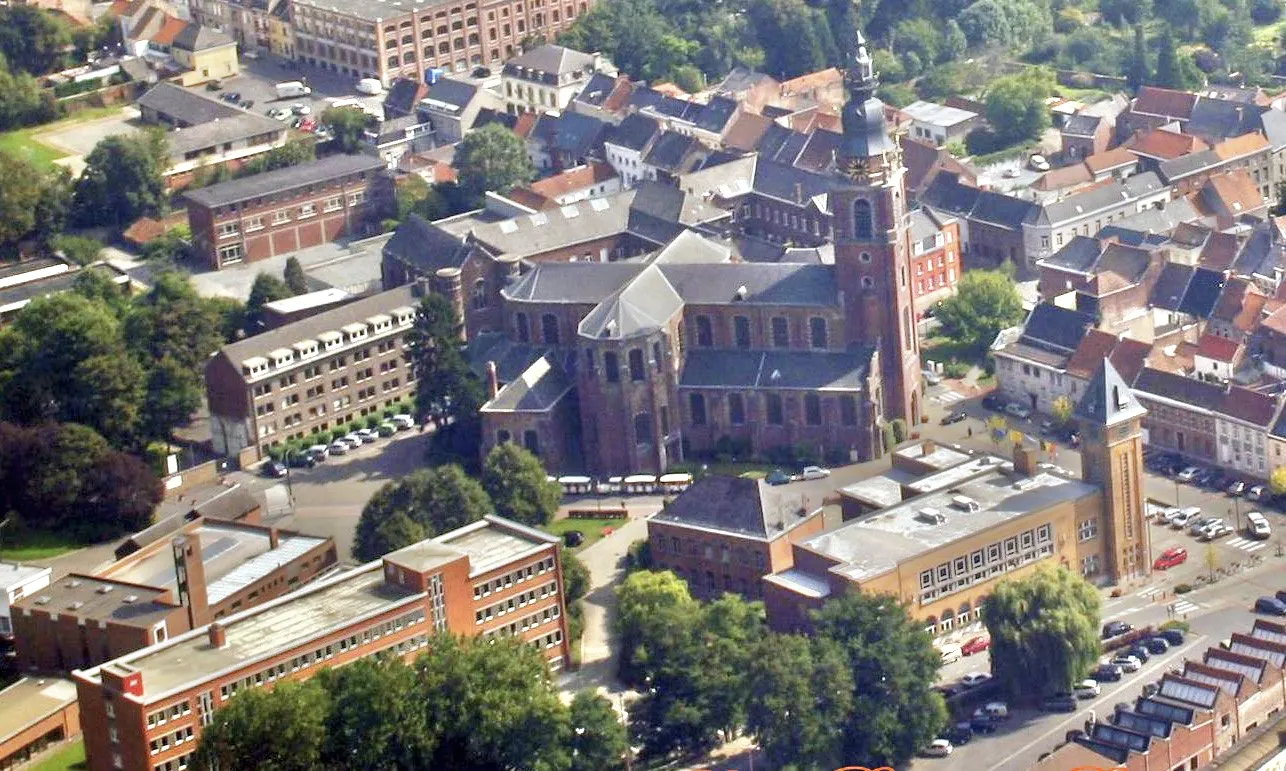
x=312, y=374
x=282, y=211
x=390, y=40
x=724, y=534
x=207, y=569
x=492, y=578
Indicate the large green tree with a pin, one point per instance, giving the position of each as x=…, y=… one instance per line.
x=1015, y=105
x=649, y=605
x=279, y=730
x=598, y=741
x=801, y=700
x=985, y=302
x=493, y=159
x=422, y=504
x=33, y=204
x=33, y=40
x=123, y=179
x=294, y=276
x=519, y=486
x=1044, y=631
x=348, y=123
x=893, y=665
x=376, y=717
x=1174, y=70
x=265, y=289
x=447, y=392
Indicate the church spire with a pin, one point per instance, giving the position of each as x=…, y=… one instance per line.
x=865, y=133
x=859, y=75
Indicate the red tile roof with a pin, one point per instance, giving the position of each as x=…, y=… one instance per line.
x=169, y=31
x=1110, y=159
x=1067, y=176
x=574, y=179
x=1129, y=357
x=1250, y=406
x=1219, y=252
x=814, y=80
x=1237, y=147
x=1163, y=101
x=746, y=130
x=525, y=123
x=531, y=199
x=1218, y=348
x=1165, y=145
x=1089, y=355
x=1236, y=191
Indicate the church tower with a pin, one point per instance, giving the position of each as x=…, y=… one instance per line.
x=1111, y=423
x=872, y=240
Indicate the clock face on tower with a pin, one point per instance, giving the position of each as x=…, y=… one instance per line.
x=855, y=169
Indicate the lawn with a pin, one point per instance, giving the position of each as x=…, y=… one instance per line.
x=591, y=528
x=34, y=546
x=737, y=469
x=24, y=144
x=69, y=758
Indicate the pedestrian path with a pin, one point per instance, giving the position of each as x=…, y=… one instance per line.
x=1246, y=544
x=948, y=397
x=1151, y=592
x=1184, y=607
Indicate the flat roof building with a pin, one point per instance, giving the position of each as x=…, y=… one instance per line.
x=34, y=713
x=491, y=578
x=18, y=581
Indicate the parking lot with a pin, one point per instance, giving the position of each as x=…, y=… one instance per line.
x=259, y=78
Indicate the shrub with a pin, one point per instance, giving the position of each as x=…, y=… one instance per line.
x=1182, y=626
x=276, y=452
x=899, y=430
x=886, y=437
x=982, y=141
x=639, y=556
x=1182, y=588
x=955, y=369
x=373, y=421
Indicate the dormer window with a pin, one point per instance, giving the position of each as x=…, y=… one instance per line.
x=330, y=340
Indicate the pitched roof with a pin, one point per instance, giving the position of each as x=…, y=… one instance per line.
x=221, y=131
x=1110, y=159
x=309, y=173
x=1219, y=251
x=1218, y=348
x=195, y=37
x=574, y=179
x=1187, y=165
x=1082, y=125
x=1094, y=348
x=746, y=507
x=1112, y=193
x=172, y=30
x=447, y=95
x=1203, y=292
x=1240, y=304
x=777, y=369
x=1108, y=400
x=1234, y=192
x=764, y=284
x=635, y=132
x=1216, y=119
x=552, y=59
x=1119, y=267
x=1237, y=147
x=746, y=131
x=1253, y=407
x=1165, y=145
x=826, y=78
x=1152, y=100
x=672, y=151
x=1171, y=286
x=1079, y=255
x=1177, y=388
x=425, y=245
x=645, y=304
x=540, y=386
x=405, y=93
x=1067, y=176
x=184, y=106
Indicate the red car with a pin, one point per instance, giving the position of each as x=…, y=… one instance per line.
x=307, y=124
x=976, y=645
x=1176, y=555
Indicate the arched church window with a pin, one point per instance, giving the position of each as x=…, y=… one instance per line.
x=863, y=224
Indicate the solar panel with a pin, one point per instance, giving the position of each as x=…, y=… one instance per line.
x=600, y=204
x=1188, y=692
x=570, y=212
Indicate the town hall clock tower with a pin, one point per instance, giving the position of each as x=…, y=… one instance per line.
x=872, y=240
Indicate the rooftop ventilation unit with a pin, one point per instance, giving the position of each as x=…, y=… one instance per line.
x=931, y=516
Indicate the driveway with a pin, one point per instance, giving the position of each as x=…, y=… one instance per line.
x=79, y=139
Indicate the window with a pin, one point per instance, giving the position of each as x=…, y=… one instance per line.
x=1087, y=530
x=479, y=297
x=812, y=410
x=780, y=332
x=741, y=328
x=307, y=210
x=848, y=410
x=531, y=440
x=774, y=409
x=637, y=373
x=817, y=332
x=863, y=225
x=705, y=335
x=520, y=325
x=697, y=404
x=643, y=428
x=549, y=328
x=736, y=409
x=611, y=367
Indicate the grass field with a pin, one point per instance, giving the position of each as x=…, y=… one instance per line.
x=68, y=758
x=34, y=546
x=24, y=144
x=593, y=529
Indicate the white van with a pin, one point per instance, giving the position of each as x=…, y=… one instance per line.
x=951, y=653
x=370, y=86
x=403, y=421
x=292, y=89
x=1257, y=526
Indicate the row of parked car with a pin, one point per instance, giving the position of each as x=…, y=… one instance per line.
x=1273, y=606
x=340, y=445
x=1177, y=467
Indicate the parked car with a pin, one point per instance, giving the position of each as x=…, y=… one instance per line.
x=950, y=654
x=1188, y=474
x=982, y=724
x=368, y=434
x=354, y=440
x=938, y=748
x=403, y=421
x=1237, y=487
x=1086, y=689
x=1116, y=629
x=386, y=429
x=318, y=451
x=814, y=472
x=301, y=109
x=778, y=477
x=302, y=459
x=1256, y=493
x=1156, y=645
x=338, y=447
x=976, y=645
x=960, y=733
x=1107, y=673
x=996, y=710
x=1257, y=526
x=1139, y=652
x=308, y=124
x=1271, y=606
x=994, y=401
x=1059, y=702
x=1126, y=663
x=1038, y=163
x=1197, y=524
x=974, y=679
x=1020, y=411
x=1172, y=636
x=1185, y=516
x=274, y=469
x=954, y=417
x=930, y=377
x=1217, y=529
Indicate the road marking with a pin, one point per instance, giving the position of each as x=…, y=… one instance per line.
x=1246, y=545
x=1184, y=606
x=1148, y=593
x=948, y=397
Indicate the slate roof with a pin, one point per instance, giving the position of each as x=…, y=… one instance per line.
x=221, y=131
x=765, y=283
x=644, y=305
x=1259, y=256
x=403, y=95
x=511, y=357
x=552, y=59
x=571, y=282
x=1055, y=327
x=447, y=95
x=1096, y=199
x=1218, y=119
x=1188, y=165
x=1167, y=385
x=1240, y=305
x=1002, y=210
x=671, y=151
x=1120, y=266
x=947, y=193
x=744, y=507
x=635, y=132
x=269, y=182
x=1081, y=125
x=819, y=152
x=577, y=134
x=865, y=133
x=597, y=89
x=716, y=114
x=1078, y=255
x=1203, y=292
x=1171, y=286
x=426, y=246
x=187, y=107
x=194, y=38
x=541, y=386
x=792, y=184
x=1108, y=399
x=777, y=370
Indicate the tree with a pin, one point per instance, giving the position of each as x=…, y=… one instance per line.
x=283, y=730
x=1211, y=560
x=1124, y=12
x=435, y=500
x=33, y=40
x=376, y=719
x=446, y=390
x=23, y=102
x=1015, y=104
x=348, y=123
x=18, y=197
x=1137, y=72
x=893, y=665
x=647, y=605
x=81, y=250
x=123, y=180
x=1277, y=480
x=296, y=281
x=415, y=196
x=598, y=741
x=575, y=576
x=519, y=486
x=265, y=289
x=1044, y=631
x=63, y=359
x=985, y=302
x=1174, y=70
x=1063, y=408
x=289, y=154
x=493, y=158
x=803, y=693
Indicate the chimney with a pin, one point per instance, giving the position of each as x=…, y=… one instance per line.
x=1024, y=460
x=274, y=539
x=493, y=380
x=799, y=192
x=218, y=635
x=189, y=575
x=928, y=447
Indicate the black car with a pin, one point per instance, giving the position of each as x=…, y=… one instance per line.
x=994, y=401
x=954, y=417
x=1107, y=673
x=274, y=469
x=1172, y=636
x=982, y=724
x=1115, y=629
x=1156, y=645
x=1059, y=702
x=1139, y=652
x=573, y=538
x=778, y=477
x=302, y=460
x=958, y=734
